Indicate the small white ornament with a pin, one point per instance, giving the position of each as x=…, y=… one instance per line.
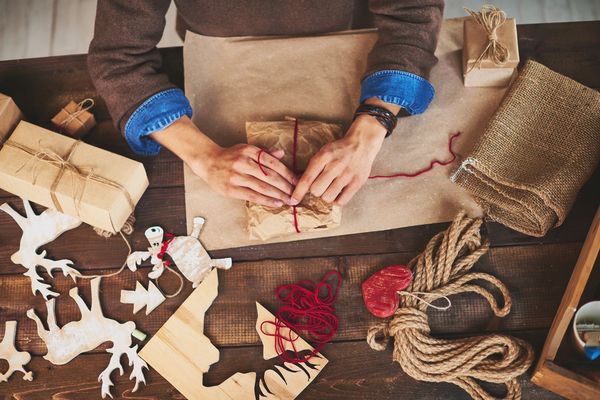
x=141, y=297
x=16, y=359
x=39, y=230
x=186, y=252
x=76, y=337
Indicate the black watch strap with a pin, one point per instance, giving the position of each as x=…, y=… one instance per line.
x=384, y=116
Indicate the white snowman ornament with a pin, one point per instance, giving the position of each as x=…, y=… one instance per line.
x=187, y=253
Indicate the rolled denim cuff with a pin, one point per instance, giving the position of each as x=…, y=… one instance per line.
x=407, y=90
x=155, y=114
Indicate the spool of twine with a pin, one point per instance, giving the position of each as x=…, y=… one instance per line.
x=443, y=270
x=490, y=18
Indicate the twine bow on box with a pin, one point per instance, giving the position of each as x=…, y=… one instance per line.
x=490, y=18
x=82, y=107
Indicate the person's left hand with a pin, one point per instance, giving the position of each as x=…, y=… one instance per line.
x=341, y=167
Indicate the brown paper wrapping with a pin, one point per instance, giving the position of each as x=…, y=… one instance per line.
x=10, y=115
x=312, y=213
x=232, y=80
x=485, y=73
x=98, y=204
x=74, y=121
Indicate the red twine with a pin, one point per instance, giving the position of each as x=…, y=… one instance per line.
x=260, y=164
x=426, y=169
x=294, y=150
x=308, y=310
x=164, y=248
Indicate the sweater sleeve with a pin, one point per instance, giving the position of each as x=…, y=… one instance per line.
x=398, y=66
x=123, y=60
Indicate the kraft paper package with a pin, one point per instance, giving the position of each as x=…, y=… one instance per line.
x=10, y=115
x=231, y=81
x=312, y=214
x=97, y=186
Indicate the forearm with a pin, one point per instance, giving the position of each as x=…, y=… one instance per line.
x=189, y=143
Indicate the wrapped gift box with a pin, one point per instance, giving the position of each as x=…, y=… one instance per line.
x=10, y=115
x=97, y=186
x=480, y=72
x=312, y=213
x=75, y=119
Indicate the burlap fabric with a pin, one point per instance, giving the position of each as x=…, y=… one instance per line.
x=537, y=151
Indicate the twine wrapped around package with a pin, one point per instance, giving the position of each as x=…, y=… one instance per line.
x=442, y=270
x=490, y=18
x=537, y=151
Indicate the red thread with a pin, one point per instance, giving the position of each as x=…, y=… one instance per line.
x=424, y=170
x=260, y=164
x=307, y=309
x=164, y=248
x=294, y=150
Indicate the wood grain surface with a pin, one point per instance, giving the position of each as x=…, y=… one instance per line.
x=536, y=270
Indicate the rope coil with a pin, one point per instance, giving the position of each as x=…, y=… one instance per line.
x=443, y=270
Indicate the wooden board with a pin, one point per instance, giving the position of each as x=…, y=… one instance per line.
x=536, y=270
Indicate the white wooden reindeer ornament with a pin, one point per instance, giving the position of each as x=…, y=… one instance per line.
x=76, y=337
x=16, y=359
x=187, y=253
x=39, y=230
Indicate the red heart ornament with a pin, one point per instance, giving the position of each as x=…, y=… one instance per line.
x=380, y=290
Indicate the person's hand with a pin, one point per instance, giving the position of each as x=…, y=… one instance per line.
x=233, y=171
x=341, y=167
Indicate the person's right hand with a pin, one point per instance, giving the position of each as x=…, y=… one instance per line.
x=232, y=171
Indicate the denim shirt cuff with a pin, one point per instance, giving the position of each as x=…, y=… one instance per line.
x=407, y=90
x=155, y=114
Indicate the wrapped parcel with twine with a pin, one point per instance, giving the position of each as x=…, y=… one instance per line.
x=99, y=187
x=75, y=119
x=537, y=151
x=441, y=271
x=490, y=48
x=299, y=140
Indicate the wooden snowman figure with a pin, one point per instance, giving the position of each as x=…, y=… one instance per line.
x=187, y=253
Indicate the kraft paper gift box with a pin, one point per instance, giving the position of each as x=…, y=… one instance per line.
x=483, y=71
x=10, y=115
x=75, y=119
x=312, y=213
x=97, y=186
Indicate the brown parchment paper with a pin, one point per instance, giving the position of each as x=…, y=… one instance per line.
x=233, y=80
x=312, y=214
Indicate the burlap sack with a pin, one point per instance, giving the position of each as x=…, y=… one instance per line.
x=539, y=148
x=312, y=214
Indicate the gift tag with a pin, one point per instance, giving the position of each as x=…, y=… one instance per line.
x=380, y=291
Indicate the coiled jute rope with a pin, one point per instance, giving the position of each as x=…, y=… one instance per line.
x=443, y=270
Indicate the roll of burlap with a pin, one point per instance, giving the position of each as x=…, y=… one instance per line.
x=443, y=270
x=539, y=148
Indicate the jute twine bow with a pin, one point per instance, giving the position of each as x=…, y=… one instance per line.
x=443, y=270
x=490, y=18
x=82, y=107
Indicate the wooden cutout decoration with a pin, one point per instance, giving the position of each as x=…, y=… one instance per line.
x=187, y=252
x=16, y=359
x=181, y=353
x=140, y=297
x=37, y=231
x=380, y=290
x=76, y=337
x=288, y=380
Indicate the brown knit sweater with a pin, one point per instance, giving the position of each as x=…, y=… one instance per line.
x=124, y=62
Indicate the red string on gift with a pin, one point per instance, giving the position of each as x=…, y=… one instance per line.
x=260, y=164
x=164, y=248
x=307, y=310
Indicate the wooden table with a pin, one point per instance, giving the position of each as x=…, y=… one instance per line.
x=536, y=270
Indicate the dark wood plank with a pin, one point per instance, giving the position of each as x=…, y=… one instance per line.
x=533, y=274
x=354, y=372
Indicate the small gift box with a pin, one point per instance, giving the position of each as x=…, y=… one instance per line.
x=490, y=48
x=97, y=186
x=75, y=119
x=10, y=115
x=300, y=140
